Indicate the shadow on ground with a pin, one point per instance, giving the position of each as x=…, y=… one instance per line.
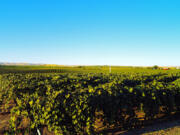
x=169, y=126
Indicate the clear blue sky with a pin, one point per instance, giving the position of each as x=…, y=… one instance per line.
x=90, y=32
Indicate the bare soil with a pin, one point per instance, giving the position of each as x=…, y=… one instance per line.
x=170, y=126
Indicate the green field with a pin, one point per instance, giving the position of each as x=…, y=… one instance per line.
x=80, y=69
x=86, y=99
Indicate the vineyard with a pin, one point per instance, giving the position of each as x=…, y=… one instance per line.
x=79, y=103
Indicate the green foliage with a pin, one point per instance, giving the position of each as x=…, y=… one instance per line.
x=155, y=67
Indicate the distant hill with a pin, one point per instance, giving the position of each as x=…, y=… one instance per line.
x=18, y=64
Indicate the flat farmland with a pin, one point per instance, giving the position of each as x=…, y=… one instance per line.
x=88, y=100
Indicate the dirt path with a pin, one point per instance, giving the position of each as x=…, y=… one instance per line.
x=171, y=127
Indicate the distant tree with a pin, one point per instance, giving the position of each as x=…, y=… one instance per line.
x=155, y=67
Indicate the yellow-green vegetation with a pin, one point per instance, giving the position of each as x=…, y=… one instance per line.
x=81, y=69
x=71, y=101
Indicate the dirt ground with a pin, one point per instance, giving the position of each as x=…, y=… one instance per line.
x=169, y=127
